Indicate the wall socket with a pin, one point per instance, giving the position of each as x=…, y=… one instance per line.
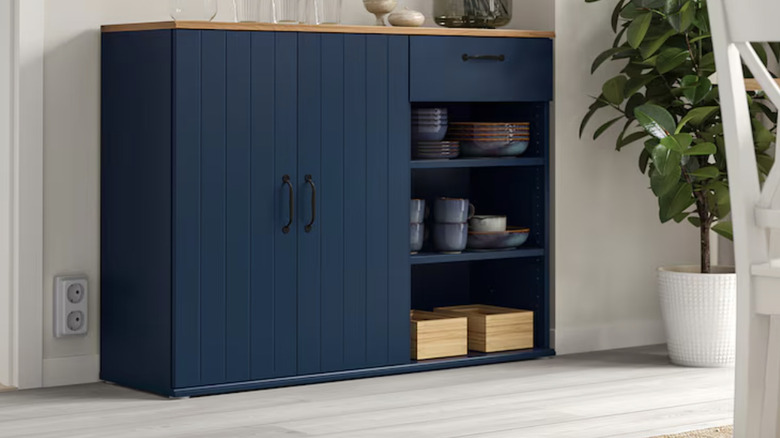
x=71, y=305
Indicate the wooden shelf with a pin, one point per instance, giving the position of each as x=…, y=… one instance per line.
x=466, y=256
x=476, y=162
x=267, y=27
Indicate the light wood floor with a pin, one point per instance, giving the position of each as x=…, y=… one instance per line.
x=621, y=393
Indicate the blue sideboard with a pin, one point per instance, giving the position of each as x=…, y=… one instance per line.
x=255, y=201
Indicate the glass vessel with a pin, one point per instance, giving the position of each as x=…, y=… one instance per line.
x=193, y=10
x=286, y=11
x=327, y=11
x=472, y=13
x=247, y=11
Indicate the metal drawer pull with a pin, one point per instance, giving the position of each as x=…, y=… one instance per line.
x=310, y=181
x=467, y=57
x=286, y=181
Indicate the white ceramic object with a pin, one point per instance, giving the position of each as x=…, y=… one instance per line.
x=700, y=313
x=406, y=18
x=380, y=8
x=487, y=224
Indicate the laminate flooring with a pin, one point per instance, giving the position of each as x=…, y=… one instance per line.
x=619, y=393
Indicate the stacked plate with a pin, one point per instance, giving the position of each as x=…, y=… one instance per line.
x=432, y=150
x=491, y=139
x=429, y=124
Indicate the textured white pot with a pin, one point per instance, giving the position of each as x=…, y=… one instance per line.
x=700, y=314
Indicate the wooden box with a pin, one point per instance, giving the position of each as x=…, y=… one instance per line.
x=438, y=335
x=493, y=328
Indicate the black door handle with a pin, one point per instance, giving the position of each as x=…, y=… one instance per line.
x=286, y=181
x=310, y=181
x=467, y=57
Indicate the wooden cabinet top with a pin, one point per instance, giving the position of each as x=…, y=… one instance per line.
x=266, y=27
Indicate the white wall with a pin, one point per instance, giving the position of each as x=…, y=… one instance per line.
x=608, y=237
x=6, y=160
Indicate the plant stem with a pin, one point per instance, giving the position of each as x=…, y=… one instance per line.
x=704, y=234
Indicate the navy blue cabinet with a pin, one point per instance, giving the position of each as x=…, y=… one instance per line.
x=255, y=202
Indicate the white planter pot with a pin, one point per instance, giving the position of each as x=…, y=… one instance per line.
x=700, y=314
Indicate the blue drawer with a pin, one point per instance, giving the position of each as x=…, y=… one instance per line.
x=464, y=69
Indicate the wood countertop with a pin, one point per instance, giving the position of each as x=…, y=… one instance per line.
x=266, y=27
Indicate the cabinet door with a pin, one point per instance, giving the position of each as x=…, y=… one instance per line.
x=234, y=267
x=353, y=140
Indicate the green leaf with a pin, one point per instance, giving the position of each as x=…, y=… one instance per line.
x=702, y=149
x=655, y=120
x=700, y=37
x=695, y=88
x=663, y=184
x=775, y=46
x=698, y=116
x=765, y=163
x=708, y=172
x=644, y=158
x=603, y=56
x=649, y=4
x=687, y=15
x=677, y=142
x=648, y=48
x=635, y=84
x=614, y=89
x=604, y=127
x=630, y=138
x=638, y=29
x=675, y=202
x=616, y=14
x=695, y=221
x=671, y=58
x=665, y=160
x=762, y=136
x=633, y=102
x=707, y=64
x=725, y=229
x=595, y=106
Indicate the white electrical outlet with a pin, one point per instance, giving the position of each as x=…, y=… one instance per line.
x=71, y=304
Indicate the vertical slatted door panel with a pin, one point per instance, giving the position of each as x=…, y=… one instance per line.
x=267, y=211
x=213, y=185
x=377, y=196
x=309, y=116
x=273, y=302
x=333, y=208
x=355, y=218
x=285, y=299
x=237, y=207
x=186, y=219
x=399, y=138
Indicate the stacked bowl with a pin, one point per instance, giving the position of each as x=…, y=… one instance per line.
x=429, y=127
x=478, y=139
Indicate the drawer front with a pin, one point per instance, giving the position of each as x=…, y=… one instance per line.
x=460, y=69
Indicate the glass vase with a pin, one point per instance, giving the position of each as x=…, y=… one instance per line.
x=472, y=13
x=193, y=10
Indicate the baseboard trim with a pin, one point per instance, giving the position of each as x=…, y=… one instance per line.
x=622, y=334
x=74, y=370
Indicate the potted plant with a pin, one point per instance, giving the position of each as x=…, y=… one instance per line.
x=668, y=106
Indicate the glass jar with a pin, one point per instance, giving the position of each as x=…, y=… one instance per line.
x=472, y=13
x=193, y=10
x=247, y=11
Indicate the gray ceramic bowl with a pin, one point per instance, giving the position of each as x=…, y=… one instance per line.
x=478, y=148
x=429, y=132
x=511, y=238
